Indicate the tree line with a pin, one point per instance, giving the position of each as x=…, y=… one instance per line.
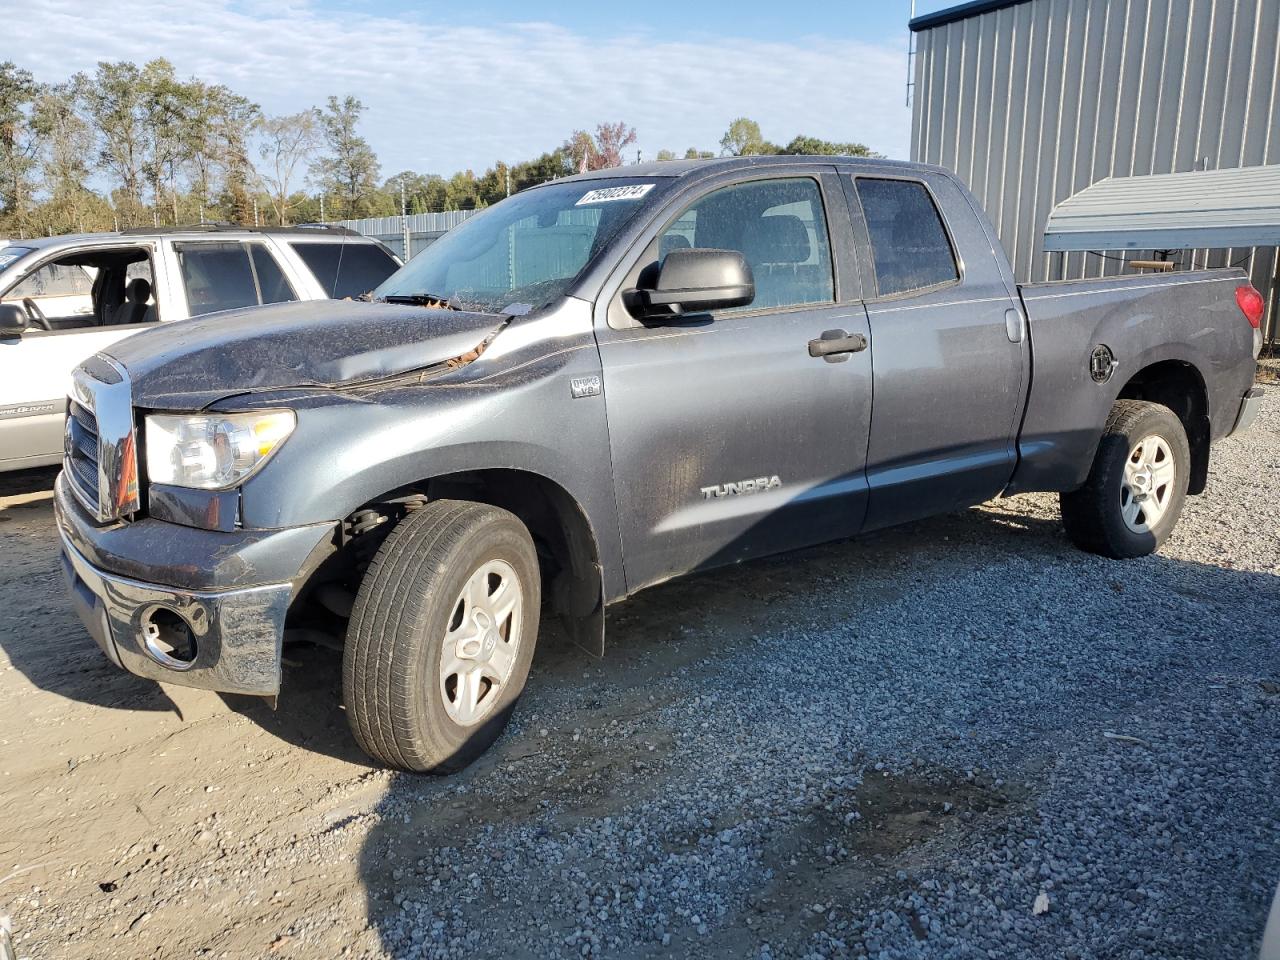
x=129, y=146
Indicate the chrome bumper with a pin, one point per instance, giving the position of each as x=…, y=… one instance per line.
x=237, y=634
x=1249, y=408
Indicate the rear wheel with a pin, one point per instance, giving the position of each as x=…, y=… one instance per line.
x=1136, y=487
x=441, y=636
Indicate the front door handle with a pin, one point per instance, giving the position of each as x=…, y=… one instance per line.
x=834, y=346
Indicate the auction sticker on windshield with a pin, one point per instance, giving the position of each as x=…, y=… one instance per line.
x=632, y=191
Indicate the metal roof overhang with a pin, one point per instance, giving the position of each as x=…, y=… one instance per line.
x=1173, y=211
x=961, y=11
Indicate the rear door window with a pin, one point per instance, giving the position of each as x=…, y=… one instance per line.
x=272, y=285
x=229, y=276
x=909, y=243
x=346, y=269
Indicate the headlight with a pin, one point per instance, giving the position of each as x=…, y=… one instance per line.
x=215, y=451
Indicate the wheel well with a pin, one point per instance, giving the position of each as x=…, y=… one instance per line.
x=567, y=549
x=560, y=529
x=1178, y=386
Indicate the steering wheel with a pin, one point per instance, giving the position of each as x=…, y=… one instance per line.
x=36, y=314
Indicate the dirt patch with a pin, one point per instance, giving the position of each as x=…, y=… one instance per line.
x=857, y=846
x=897, y=811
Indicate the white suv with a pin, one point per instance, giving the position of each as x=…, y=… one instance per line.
x=62, y=299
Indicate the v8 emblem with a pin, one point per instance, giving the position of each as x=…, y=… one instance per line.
x=585, y=387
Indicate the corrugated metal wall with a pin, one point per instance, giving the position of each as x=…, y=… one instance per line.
x=1033, y=102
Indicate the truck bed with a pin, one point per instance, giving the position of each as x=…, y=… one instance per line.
x=1187, y=322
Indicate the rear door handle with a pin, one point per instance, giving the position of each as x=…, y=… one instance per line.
x=834, y=346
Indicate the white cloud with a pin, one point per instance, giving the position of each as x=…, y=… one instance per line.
x=441, y=97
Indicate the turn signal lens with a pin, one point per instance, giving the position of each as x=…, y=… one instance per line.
x=1251, y=304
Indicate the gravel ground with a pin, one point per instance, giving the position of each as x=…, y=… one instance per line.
x=959, y=739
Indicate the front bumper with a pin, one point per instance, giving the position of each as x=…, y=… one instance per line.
x=1249, y=408
x=236, y=628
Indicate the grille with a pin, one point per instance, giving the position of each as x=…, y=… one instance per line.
x=80, y=454
x=99, y=446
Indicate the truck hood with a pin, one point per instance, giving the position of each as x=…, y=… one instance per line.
x=190, y=364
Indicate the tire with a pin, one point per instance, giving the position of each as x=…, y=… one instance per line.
x=1142, y=444
x=426, y=595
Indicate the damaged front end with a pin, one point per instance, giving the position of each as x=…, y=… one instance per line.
x=186, y=582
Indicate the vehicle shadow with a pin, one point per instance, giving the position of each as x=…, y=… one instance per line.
x=658, y=639
x=310, y=713
x=20, y=482
x=40, y=634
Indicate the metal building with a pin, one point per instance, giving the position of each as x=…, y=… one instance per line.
x=1032, y=101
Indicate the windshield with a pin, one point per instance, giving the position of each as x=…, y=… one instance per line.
x=9, y=255
x=522, y=252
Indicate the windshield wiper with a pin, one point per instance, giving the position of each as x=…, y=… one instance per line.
x=420, y=300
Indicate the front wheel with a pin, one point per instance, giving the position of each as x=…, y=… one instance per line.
x=1137, y=484
x=441, y=636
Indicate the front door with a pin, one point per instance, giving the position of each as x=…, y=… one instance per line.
x=729, y=440
x=79, y=305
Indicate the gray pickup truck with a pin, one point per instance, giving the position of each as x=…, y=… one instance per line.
x=597, y=385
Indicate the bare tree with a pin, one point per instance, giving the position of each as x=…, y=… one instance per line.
x=602, y=151
x=285, y=148
x=611, y=140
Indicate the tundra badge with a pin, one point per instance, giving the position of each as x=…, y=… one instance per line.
x=758, y=485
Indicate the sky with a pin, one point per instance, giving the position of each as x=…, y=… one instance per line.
x=450, y=86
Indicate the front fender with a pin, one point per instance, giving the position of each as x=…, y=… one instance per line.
x=349, y=450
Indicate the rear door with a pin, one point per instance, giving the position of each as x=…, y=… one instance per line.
x=728, y=439
x=951, y=358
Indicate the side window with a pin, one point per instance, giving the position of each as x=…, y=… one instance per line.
x=217, y=276
x=229, y=275
x=908, y=241
x=346, y=269
x=779, y=227
x=272, y=285
x=54, y=280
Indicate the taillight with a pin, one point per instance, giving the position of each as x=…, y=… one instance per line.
x=1251, y=305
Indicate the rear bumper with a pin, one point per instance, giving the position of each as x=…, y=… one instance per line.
x=1249, y=408
x=236, y=628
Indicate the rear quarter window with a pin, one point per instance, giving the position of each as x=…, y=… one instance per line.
x=346, y=269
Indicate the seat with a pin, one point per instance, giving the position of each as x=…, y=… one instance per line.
x=776, y=246
x=672, y=241
x=134, y=309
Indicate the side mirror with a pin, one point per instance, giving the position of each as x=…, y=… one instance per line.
x=13, y=320
x=696, y=281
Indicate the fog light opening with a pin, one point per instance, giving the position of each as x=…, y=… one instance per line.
x=168, y=639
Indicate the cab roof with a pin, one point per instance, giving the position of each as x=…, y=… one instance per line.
x=681, y=168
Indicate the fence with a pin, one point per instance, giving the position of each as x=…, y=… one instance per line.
x=407, y=236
